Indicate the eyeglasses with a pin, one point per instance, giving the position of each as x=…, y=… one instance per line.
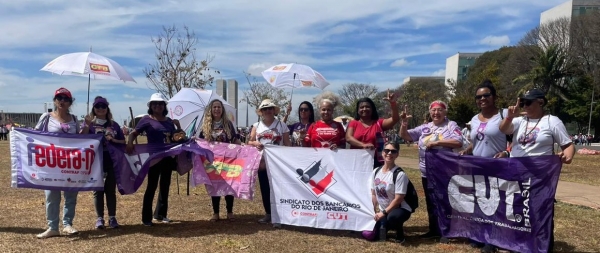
x=304, y=110
x=525, y=103
x=486, y=95
x=393, y=151
x=62, y=98
x=100, y=106
x=267, y=109
x=157, y=103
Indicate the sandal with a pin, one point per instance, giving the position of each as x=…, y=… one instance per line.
x=230, y=217
x=215, y=218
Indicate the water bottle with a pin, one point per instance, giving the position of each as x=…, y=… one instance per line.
x=382, y=231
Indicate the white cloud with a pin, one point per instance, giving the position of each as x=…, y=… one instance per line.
x=401, y=63
x=255, y=69
x=128, y=96
x=439, y=72
x=495, y=41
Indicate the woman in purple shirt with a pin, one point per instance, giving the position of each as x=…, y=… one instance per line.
x=159, y=129
x=103, y=123
x=217, y=127
x=440, y=133
x=306, y=117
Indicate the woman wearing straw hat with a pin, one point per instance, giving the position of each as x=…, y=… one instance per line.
x=269, y=130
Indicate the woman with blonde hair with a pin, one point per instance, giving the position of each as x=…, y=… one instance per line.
x=326, y=133
x=217, y=127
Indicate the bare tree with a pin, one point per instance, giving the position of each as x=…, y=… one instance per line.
x=176, y=64
x=417, y=95
x=334, y=98
x=555, y=32
x=352, y=92
x=260, y=91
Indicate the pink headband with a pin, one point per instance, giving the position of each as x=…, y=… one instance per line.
x=440, y=104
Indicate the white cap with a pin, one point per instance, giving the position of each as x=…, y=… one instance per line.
x=157, y=97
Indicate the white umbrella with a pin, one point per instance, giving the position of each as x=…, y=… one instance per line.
x=188, y=107
x=90, y=65
x=295, y=76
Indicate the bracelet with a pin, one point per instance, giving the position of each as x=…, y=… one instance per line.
x=506, y=153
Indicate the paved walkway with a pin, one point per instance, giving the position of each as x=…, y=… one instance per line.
x=568, y=192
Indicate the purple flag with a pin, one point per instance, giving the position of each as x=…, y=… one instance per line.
x=131, y=169
x=505, y=202
x=233, y=171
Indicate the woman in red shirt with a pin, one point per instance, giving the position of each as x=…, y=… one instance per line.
x=326, y=133
x=366, y=128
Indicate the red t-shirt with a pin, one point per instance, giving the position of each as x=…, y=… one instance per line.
x=322, y=135
x=366, y=134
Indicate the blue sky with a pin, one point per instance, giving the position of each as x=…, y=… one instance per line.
x=378, y=41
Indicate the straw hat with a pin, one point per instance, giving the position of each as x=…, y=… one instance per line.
x=266, y=104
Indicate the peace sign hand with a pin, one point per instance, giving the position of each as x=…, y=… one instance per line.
x=514, y=110
x=404, y=115
x=390, y=97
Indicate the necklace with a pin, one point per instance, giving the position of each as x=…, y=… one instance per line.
x=530, y=131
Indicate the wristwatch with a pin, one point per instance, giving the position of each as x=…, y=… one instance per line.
x=384, y=212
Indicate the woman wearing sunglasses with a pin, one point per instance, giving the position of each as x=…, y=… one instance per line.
x=60, y=121
x=159, y=129
x=306, y=117
x=440, y=133
x=535, y=133
x=389, y=195
x=269, y=130
x=486, y=138
x=102, y=123
x=326, y=133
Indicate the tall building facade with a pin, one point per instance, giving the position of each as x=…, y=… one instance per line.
x=228, y=90
x=569, y=9
x=457, y=66
x=222, y=88
x=24, y=119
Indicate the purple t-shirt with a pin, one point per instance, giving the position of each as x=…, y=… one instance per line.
x=297, y=140
x=156, y=131
x=430, y=132
x=107, y=129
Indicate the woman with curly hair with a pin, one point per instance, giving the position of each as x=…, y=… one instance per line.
x=217, y=127
x=326, y=133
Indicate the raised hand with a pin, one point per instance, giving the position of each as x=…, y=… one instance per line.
x=89, y=119
x=514, y=110
x=404, y=116
x=390, y=97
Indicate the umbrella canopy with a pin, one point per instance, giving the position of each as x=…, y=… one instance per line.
x=295, y=76
x=339, y=119
x=88, y=64
x=188, y=107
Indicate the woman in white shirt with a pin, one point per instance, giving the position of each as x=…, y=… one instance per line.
x=535, y=133
x=269, y=130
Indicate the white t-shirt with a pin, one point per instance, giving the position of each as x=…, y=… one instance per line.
x=386, y=190
x=54, y=126
x=272, y=134
x=536, y=137
x=486, y=136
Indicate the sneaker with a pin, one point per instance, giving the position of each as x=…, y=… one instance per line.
x=147, y=223
x=400, y=240
x=112, y=222
x=70, y=230
x=163, y=220
x=265, y=219
x=276, y=225
x=488, y=248
x=100, y=223
x=429, y=235
x=444, y=240
x=47, y=234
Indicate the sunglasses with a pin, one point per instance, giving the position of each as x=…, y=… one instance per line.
x=100, y=106
x=62, y=98
x=267, y=109
x=486, y=95
x=393, y=151
x=525, y=103
x=304, y=110
x=156, y=103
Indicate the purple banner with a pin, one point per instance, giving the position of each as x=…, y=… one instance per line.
x=505, y=202
x=131, y=169
x=233, y=171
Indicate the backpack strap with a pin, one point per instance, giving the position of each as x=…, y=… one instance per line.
x=76, y=123
x=45, y=123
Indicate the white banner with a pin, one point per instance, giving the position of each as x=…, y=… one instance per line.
x=320, y=188
x=56, y=161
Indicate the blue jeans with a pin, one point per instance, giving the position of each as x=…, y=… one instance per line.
x=53, y=208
